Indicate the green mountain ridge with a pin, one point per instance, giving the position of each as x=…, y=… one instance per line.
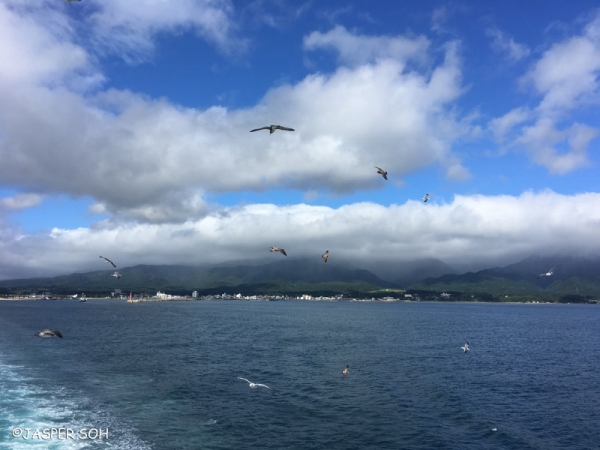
x=287, y=276
x=575, y=276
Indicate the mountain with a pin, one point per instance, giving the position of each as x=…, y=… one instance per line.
x=283, y=276
x=405, y=273
x=576, y=275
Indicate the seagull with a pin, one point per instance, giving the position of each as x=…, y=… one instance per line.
x=382, y=172
x=272, y=129
x=466, y=347
x=254, y=385
x=549, y=273
x=345, y=372
x=117, y=275
x=108, y=261
x=48, y=333
x=325, y=255
x=425, y=198
x=277, y=249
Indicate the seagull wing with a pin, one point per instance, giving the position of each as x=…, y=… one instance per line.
x=108, y=261
x=57, y=333
x=283, y=251
x=263, y=385
x=240, y=378
x=258, y=129
x=279, y=127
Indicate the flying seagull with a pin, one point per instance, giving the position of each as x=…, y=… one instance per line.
x=425, y=198
x=254, y=385
x=382, y=172
x=277, y=249
x=466, y=347
x=48, y=333
x=345, y=372
x=549, y=273
x=117, y=275
x=272, y=129
x=108, y=261
x=325, y=255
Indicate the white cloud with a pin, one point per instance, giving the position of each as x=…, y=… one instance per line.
x=355, y=49
x=21, y=201
x=34, y=53
x=544, y=138
x=129, y=28
x=150, y=159
x=501, y=126
x=507, y=45
x=507, y=227
x=567, y=76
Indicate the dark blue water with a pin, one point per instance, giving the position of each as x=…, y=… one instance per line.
x=164, y=375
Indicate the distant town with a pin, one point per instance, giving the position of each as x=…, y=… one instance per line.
x=398, y=296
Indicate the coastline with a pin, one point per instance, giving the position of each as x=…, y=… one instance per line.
x=340, y=300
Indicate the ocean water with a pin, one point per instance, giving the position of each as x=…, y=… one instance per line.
x=164, y=375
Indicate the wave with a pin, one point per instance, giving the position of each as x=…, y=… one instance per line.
x=28, y=401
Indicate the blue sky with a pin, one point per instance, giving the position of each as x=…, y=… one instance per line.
x=125, y=126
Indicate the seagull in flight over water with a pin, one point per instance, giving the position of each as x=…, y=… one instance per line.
x=325, y=255
x=425, y=198
x=345, y=371
x=48, y=333
x=254, y=385
x=277, y=249
x=108, y=261
x=272, y=129
x=117, y=275
x=382, y=172
x=466, y=347
x=549, y=273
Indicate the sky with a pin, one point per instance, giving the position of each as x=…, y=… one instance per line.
x=124, y=131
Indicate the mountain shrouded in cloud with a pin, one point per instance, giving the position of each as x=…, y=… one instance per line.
x=483, y=231
x=155, y=172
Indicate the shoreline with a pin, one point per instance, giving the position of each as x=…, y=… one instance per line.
x=345, y=300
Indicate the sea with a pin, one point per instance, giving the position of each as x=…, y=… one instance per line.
x=164, y=375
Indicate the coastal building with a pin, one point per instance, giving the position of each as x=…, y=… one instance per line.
x=195, y=294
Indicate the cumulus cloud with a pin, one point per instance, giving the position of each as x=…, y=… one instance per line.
x=148, y=159
x=567, y=76
x=507, y=45
x=480, y=229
